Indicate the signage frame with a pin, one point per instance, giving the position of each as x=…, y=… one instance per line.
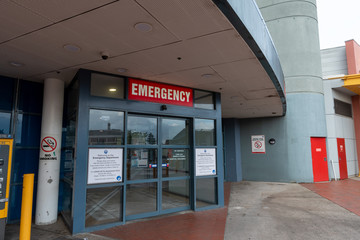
x=160, y=93
x=258, y=144
x=200, y=163
x=116, y=173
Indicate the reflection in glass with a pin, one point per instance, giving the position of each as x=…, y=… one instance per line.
x=70, y=133
x=5, y=122
x=175, y=162
x=103, y=205
x=175, y=132
x=206, y=192
x=142, y=130
x=175, y=194
x=141, y=198
x=141, y=164
x=28, y=129
x=204, y=100
x=204, y=132
x=107, y=86
x=67, y=200
x=106, y=127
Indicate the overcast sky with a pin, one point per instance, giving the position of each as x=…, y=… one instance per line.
x=339, y=21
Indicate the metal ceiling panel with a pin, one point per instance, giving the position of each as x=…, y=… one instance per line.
x=187, y=18
x=57, y=10
x=16, y=20
x=112, y=28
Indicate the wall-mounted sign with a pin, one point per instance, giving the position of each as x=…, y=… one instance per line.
x=258, y=143
x=105, y=165
x=160, y=93
x=205, y=161
x=49, y=148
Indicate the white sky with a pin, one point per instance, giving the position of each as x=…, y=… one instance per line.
x=339, y=21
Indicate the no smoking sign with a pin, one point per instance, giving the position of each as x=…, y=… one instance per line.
x=258, y=143
x=48, y=144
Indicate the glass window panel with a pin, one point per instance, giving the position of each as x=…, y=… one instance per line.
x=206, y=192
x=24, y=161
x=31, y=96
x=6, y=93
x=141, y=164
x=5, y=119
x=342, y=108
x=175, y=162
x=204, y=100
x=107, y=86
x=106, y=127
x=66, y=199
x=142, y=130
x=175, y=194
x=28, y=129
x=71, y=98
x=204, y=132
x=103, y=205
x=141, y=198
x=175, y=131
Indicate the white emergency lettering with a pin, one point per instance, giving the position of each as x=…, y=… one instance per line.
x=134, y=89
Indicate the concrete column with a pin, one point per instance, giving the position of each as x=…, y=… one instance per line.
x=294, y=29
x=50, y=149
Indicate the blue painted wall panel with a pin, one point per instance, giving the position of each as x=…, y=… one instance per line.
x=289, y=159
x=231, y=128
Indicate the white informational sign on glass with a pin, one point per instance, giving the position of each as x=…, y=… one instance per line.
x=105, y=165
x=258, y=143
x=205, y=161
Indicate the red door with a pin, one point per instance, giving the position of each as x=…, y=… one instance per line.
x=342, y=158
x=319, y=159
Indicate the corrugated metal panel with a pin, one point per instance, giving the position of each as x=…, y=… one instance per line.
x=334, y=61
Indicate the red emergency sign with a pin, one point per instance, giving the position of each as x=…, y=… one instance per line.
x=160, y=93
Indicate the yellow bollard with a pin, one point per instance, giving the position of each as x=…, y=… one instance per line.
x=26, y=207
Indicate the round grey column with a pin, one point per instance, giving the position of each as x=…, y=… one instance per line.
x=294, y=28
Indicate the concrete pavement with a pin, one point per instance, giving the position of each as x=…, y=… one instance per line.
x=280, y=211
x=256, y=211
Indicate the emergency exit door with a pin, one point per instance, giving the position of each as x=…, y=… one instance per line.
x=319, y=159
x=342, y=158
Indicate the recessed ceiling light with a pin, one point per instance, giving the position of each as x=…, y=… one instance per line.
x=16, y=64
x=112, y=90
x=121, y=70
x=207, y=75
x=72, y=48
x=143, y=27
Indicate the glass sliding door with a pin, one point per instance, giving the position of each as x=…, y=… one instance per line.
x=175, y=174
x=157, y=165
x=141, y=166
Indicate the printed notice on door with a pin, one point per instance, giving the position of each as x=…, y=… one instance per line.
x=105, y=165
x=205, y=161
x=258, y=143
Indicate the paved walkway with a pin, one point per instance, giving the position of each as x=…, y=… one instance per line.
x=209, y=225
x=282, y=211
x=256, y=210
x=345, y=193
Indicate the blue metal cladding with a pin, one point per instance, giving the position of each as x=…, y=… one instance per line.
x=30, y=97
x=6, y=93
x=26, y=133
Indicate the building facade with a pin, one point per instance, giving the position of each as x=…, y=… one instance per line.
x=163, y=102
x=341, y=105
